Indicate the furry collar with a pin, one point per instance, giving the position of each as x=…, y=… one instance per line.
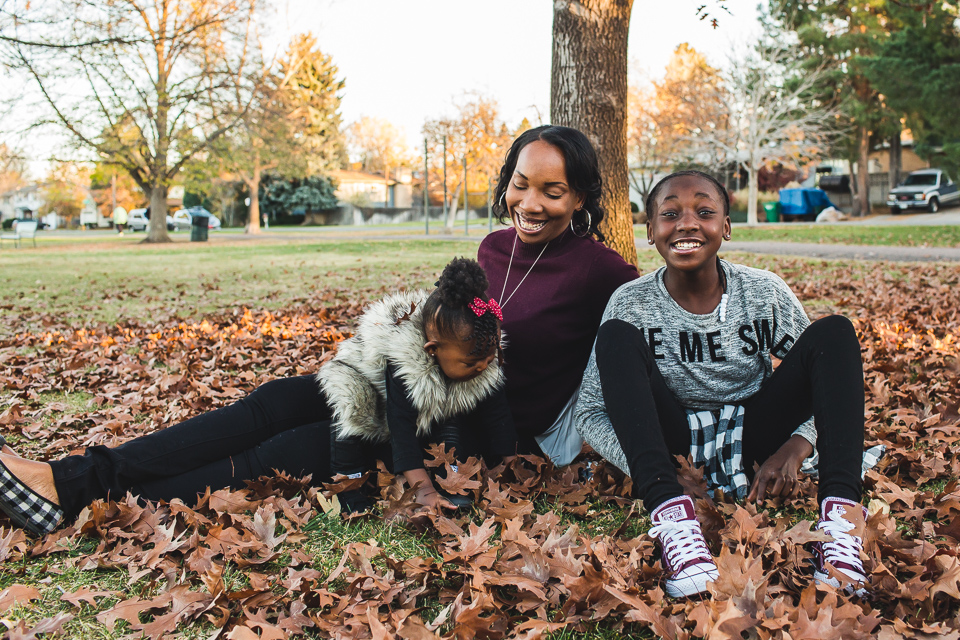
x=392, y=331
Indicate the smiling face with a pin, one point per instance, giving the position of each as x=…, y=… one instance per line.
x=454, y=353
x=688, y=224
x=539, y=198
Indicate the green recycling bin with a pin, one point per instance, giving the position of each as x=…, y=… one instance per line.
x=773, y=211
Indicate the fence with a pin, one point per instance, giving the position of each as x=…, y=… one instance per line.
x=358, y=216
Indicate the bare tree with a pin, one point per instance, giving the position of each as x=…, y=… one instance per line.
x=770, y=115
x=478, y=134
x=142, y=84
x=664, y=116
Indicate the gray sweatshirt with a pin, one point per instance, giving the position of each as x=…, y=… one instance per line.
x=705, y=363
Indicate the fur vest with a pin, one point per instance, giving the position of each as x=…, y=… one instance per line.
x=392, y=331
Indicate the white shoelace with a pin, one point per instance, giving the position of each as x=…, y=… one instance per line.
x=845, y=548
x=682, y=541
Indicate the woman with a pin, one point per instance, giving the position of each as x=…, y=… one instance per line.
x=553, y=277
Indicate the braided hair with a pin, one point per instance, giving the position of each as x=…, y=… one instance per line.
x=463, y=280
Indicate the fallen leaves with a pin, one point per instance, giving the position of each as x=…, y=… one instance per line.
x=542, y=552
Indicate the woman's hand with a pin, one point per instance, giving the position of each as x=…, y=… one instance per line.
x=778, y=475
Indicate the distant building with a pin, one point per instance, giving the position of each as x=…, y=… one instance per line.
x=371, y=190
x=23, y=202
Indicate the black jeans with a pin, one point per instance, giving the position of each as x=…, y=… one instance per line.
x=822, y=375
x=283, y=425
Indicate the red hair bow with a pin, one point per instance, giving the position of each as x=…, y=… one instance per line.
x=479, y=307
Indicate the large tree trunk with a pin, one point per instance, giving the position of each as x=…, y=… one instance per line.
x=753, y=192
x=158, y=215
x=862, y=204
x=588, y=91
x=896, y=159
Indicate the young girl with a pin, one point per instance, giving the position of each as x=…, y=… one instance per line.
x=682, y=366
x=418, y=360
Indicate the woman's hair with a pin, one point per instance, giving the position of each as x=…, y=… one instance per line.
x=448, y=306
x=721, y=190
x=583, y=173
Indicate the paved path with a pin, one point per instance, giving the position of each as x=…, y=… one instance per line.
x=840, y=251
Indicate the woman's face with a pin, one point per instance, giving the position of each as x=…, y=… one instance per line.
x=539, y=199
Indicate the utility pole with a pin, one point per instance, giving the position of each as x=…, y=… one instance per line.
x=466, y=212
x=444, y=179
x=426, y=189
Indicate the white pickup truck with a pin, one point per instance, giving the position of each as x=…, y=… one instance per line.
x=925, y=189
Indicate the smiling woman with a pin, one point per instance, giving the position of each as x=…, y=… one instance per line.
x=553, y=277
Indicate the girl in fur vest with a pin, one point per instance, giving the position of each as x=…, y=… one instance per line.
x=418, y=362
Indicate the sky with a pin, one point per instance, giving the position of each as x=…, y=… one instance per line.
x=407, y=61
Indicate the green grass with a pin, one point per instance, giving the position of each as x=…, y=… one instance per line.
x=111, y=282
x=902, y=236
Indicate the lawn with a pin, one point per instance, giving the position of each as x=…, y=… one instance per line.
x=854, y=234
x=103, y=342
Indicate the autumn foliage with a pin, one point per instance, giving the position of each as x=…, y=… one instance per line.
x=542, y=551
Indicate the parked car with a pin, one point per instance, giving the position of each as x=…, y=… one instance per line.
x=183, y=219
x=139, y=220
x=925, y=189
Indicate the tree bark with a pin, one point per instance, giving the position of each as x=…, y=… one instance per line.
x=253, y=184
x=158, y=215
x=896, y=159
x=452, y=211
x=753, y=192
x=588, y=91
x=863, y=173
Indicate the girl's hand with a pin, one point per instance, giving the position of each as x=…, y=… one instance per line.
x=426, y=493
x=778, y=475
x=432, y=500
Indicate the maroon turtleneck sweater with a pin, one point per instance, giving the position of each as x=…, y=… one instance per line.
x=552, y=319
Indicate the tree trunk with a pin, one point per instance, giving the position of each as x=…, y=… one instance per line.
x=753, y=192
x=253, y=184
x=896, y=159
x=588, y=91
x=863, y=172
x=452, y=211
x=158, y=215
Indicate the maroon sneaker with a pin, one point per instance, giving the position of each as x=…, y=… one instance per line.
x=685, y=557
x=843, y=552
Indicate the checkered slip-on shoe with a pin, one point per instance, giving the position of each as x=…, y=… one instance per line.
x=25, y=507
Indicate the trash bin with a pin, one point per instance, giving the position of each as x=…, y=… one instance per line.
x=773, y=211
x=199, y=227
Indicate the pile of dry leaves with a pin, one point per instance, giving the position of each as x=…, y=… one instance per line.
x=525, y=561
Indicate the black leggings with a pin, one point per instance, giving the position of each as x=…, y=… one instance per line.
x=283, y=425
x=822, y=375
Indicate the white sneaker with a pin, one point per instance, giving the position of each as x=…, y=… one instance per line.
x=843, y=552
x=685, y=556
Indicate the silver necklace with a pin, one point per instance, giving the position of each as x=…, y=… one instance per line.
x=510, y=264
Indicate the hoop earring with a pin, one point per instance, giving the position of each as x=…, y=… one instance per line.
x=589, y=225
x=502, y=198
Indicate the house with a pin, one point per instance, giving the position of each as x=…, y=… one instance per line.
x=371, y=190
x=23, y=202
